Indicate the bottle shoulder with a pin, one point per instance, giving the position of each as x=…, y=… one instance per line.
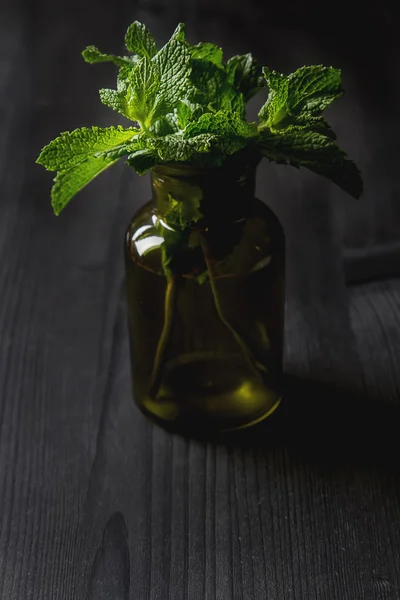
x=235, y=246
x=260, y=212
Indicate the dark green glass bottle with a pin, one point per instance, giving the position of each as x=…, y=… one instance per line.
x=205, y=290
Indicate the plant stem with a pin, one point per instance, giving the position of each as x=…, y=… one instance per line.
x=241, y=343
x=169, y=306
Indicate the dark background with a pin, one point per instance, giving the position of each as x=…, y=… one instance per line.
x=97, y=503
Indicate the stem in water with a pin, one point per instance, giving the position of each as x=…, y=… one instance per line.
x=241, y=343
x=169, y=308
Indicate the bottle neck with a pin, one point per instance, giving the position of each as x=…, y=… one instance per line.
x=218, y=193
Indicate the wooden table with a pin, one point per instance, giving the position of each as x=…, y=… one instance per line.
x=97, y=503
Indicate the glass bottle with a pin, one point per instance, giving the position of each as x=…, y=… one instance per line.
x=205, y=291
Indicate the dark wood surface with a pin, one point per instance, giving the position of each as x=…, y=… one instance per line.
x=95, y=502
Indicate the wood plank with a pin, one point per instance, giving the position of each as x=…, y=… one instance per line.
x=375, y=315
x=60, y=289
x=95, y=502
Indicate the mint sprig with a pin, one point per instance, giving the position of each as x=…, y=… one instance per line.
x=293, y=130
x=188, y=105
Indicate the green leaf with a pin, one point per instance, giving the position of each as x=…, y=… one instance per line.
x=300, y=147
x=91, y=55
x=153, y=88
x=142, y=160
x=71, y=148
x=140, y=41
x=136, y=143
x=245, y=75
x=173, y=64
x=70, y=182
x=230, y=133
x=209, y=81
x=187, y=112
x=165, y=125
x=275, y=108
x=186, y=210
x=312, y=89
x=212, y=88
x=117, y=152
x=116, y=100
x=136, y=97
x=302, y=95
x=209, y=52
x=124, y=77
x=184, y=114
x=176, y=148
x=222, y=123
x=233, y=102
x=179, y=254
x=179, y=33
x=317, y=124
x=142, y=92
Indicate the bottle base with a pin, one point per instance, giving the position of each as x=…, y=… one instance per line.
x=210, y=393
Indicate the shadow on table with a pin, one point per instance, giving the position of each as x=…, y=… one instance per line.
x=327, y=424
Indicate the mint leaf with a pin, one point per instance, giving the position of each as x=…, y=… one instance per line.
x=165, y=125
x=209, y=52
x=177, y=120
x=300, y=147
x=312, y=89
x=116, y=100
x=179, y=33
x=142, y=160
x=181, y=254
x=153, y=88
x=222, y=123
x=245, y=75
x=230, y=133
x=173, y=64
x=140, y=41
x=142, y=92
x=187, y=112
x=208, y=80
x=91, y=54
x=133, y=145
x=317, y=124
x=176, y=148
x=185, y=209
x=71, y=148
x=184, y=113
x=233, y=102
x=300, y=96
x=275, y=108
x=124, y=76
x=70, y=182
x=212, y=88
x=136, y=95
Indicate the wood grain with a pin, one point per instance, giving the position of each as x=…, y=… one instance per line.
x=95, y=502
